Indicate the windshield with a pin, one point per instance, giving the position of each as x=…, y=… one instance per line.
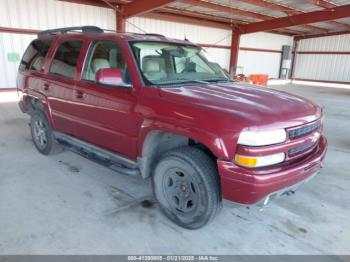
x=166, y=63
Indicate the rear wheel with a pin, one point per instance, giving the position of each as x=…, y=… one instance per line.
x=42, y=134
x=185, y=183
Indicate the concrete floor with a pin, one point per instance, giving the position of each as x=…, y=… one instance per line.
x=65, y=204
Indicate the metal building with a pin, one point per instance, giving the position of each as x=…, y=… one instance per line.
x=230, y=31
x=65, y=204
x=323, y=58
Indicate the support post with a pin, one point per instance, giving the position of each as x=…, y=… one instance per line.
x=295, y=50
x=234, y=52
x=120, y=21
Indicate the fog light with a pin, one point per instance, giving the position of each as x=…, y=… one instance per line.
x=259, y=161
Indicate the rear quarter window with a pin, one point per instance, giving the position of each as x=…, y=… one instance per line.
x=34, y=56
x=66, y=58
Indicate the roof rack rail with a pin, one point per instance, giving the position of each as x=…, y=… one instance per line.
x=83, y=29
x=149, y=34
x=153, y=34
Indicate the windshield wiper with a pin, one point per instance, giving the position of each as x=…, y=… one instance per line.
x=222, y=79
x=182, y=81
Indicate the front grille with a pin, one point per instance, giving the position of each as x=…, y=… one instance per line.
x=297, y=150
x=304, y=130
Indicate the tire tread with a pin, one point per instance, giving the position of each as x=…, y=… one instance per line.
x=206, y=168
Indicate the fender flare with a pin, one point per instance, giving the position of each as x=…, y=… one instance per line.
x=43, y=104
x=209, y=140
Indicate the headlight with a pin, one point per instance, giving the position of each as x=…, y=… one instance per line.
x=259, y=161
x=262, y=138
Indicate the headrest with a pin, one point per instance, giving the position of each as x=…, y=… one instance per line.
x=99, y=63
x=152, y=64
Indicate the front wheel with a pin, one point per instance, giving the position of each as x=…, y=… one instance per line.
x=186, y=185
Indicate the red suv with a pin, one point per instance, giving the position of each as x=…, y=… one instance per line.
x=144, y=104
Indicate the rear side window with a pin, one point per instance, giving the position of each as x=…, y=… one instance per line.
x=66, y=58
x=34, y=56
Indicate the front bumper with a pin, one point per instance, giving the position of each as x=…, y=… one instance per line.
x=250, y=186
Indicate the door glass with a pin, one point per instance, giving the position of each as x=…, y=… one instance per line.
x=105, y=54
x=66, y=59
x=34, y=56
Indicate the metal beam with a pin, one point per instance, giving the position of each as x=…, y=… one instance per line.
x=120, y=21
x=19, y=31
x=323, y=35
x=295, y=20
x=214, y=18
x=284, y=9
x=186, y=20
x=272, y=6
x=227, y=9
x=235, y=40
x=291, y=11
x=100, y=3
x=236, y=11
x=87, y=2
x=138, y=7
x=322, y=3
x=295, y=49
x=232, y=22
x=328, y=5
x=287, y=31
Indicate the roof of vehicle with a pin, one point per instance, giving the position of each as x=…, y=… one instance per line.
x=92, y=31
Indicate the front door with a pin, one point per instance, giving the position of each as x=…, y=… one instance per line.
x=105, y=115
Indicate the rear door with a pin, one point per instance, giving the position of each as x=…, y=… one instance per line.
x=31, y=66
x=58, y=84
x=106, y=114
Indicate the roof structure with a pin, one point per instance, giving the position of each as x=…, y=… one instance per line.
x=298, y=18
x=290, y=17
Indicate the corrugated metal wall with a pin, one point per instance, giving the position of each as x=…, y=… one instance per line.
x=44, y=14
x=249, y=62
x=194, y=33
x=321, y=66
x=11, y=43
x=41, y=14
x=253, y=62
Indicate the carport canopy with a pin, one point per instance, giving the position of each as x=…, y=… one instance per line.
x=299, y=18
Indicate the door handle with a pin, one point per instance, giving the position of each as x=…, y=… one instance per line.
x=79, y=94
x=46, y=87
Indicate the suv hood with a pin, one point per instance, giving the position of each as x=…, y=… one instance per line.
x=257, y=106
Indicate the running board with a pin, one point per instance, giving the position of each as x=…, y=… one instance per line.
x=109, y=159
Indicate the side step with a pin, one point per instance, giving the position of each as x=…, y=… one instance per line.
x=109, y=159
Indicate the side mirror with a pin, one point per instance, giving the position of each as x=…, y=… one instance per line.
x=111, y=77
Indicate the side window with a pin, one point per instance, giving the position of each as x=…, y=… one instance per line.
x=65, y=60
x=34, y=56
x=104, y=54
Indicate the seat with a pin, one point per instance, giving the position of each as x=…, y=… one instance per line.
x=61, y=68
x=97, y=64
x=153, y=67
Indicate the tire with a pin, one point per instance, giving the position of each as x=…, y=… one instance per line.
x=42, y=134
x=186, y=185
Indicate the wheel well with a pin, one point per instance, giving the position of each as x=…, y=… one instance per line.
x=159, y=142
x=35, y=103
